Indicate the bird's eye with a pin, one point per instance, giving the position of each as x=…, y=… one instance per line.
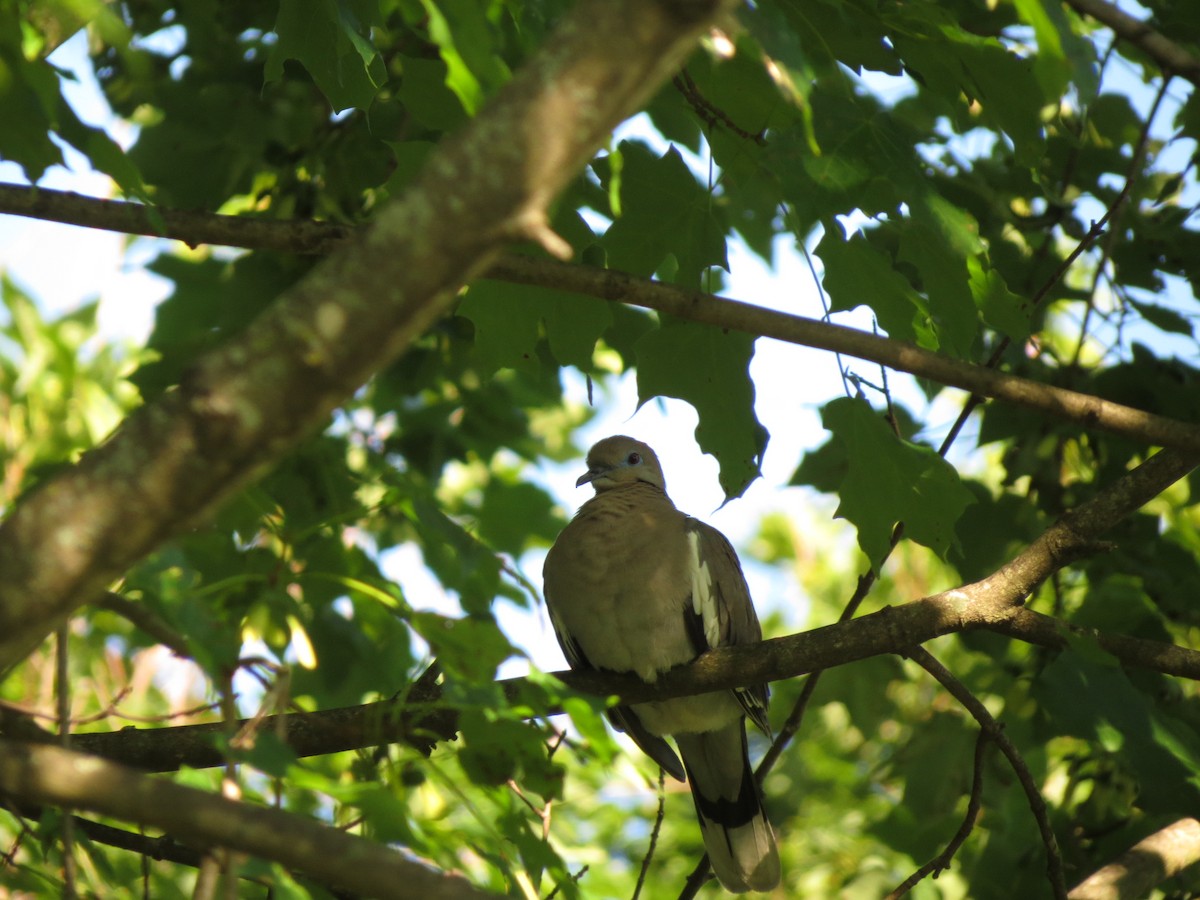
x=633, y=459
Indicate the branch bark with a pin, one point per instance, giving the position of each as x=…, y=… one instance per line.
x=308, y=237
x=1171, y=57
x=1083, y=409
x=53, y=776
x=242, y=406
x=1146, y=864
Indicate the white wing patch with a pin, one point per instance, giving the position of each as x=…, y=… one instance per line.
x=704, y=593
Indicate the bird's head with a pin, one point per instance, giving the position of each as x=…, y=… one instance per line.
x=619, y=460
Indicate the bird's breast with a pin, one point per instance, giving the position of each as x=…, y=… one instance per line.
x=619, y=588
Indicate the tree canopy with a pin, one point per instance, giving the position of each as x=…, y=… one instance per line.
x=395, y=230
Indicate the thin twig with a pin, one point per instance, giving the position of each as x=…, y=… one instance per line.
x=574, y=879
x=63, y=693
x=710, y=113
x=826, y=312
x=658, y=820
x=1116, y=211
x=143, y=617
x=995, y=731
x=696, y=879
x=974, y=801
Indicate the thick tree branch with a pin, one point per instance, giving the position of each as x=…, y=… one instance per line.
x=1171, y=57
x=891, y=630
x=315, y=237
x=53, y=776
x=241, y=407
x=1145, y=865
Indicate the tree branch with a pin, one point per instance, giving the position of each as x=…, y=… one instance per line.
x=1173, y=58
x=53, y=776
x=314, y=237
x=1145, y=865
x=973, y=705
x=1082, y=409
x=942, y=861
x=993, y=604
x=239, y=408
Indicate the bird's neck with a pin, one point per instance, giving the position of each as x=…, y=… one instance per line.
x=624, y=498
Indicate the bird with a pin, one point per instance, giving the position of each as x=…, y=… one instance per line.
x=633, y=584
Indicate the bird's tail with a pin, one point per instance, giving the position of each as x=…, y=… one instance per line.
x=737, y=835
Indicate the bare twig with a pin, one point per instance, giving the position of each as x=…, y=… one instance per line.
x=140, y=615
x=62, y=667
x=974, y=800
x=1116, y=210
x=574, y=878
x=711, y=114
x=658, y=820
x=1054, y=869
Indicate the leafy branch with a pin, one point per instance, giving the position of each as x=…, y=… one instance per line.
x=614, y=286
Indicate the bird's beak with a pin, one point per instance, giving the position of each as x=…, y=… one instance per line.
x=590, y=475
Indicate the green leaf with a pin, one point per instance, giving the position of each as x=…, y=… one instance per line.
x=857, y=274
x=710, y=369
x=268, y=753
x=460, y=560
x=506, y=318
x=889, y=480
x=944, y=281
x=856, y=157
x=965, y=67
x=328, y=40
x=424, y=93
x=28, y=97
x=1162, y=318
x=212, y=301
x=464, y=39
x=515, y=514
x=1001, y=308
x=471, y=647
x=1090, y=697
x=104, y=153
x=1063, y=57
x=664, y=211
x=506, y=323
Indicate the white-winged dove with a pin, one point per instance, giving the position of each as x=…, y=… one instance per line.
x=635, y=585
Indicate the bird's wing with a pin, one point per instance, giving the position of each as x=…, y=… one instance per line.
x=721, y=613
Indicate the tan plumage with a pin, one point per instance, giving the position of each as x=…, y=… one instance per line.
x=635, y=585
